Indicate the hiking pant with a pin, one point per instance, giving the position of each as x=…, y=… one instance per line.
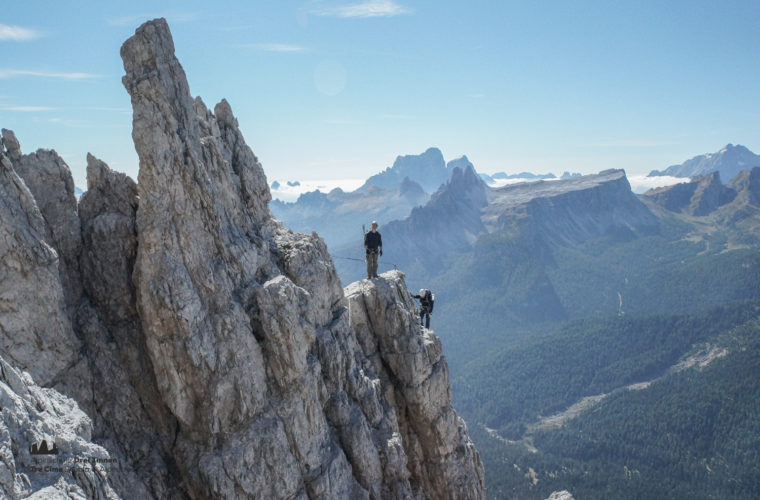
x=425, y=318
x=372, y=265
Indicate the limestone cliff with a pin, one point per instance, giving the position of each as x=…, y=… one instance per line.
x=215, y=350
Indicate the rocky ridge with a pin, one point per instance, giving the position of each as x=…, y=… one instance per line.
x=706, y=195
x=215, y=350
x=570, y=211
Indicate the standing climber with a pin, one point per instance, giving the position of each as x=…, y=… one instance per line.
x=427, y=300
x=373, y=244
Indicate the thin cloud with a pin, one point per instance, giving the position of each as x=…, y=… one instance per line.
x=633, y=143
x=275, y=47
x=641, y=183
x=18, y=33
x=241, y=27
x=42, y=109
x=339, y=121
x=74, y=123
x=28, y=109
x=138, y=19
x=107, y=109
x=12, y=73
x=368, y=8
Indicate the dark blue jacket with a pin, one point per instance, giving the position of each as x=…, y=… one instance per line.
x=372, y=241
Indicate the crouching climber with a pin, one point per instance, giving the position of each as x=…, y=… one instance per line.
x=427, y=299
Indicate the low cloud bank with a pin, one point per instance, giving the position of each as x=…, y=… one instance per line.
x=289, y=191
x=642, y=183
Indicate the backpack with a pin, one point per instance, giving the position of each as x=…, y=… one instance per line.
x=427, y=298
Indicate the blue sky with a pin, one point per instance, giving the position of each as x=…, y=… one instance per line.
x=338, y=89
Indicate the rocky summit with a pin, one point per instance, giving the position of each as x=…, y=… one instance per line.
x=189, y=345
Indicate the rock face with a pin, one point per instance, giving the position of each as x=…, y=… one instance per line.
x=747, y=188
x=48, y=178
x=747, y=185
x=561, y=495
x=409, y=361
x=35, y=329
x=215, y=350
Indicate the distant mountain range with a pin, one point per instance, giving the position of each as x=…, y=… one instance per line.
x=729, y=161
x=386, y=196
x=553, y=294
x=337, y=216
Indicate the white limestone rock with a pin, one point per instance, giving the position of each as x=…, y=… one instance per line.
x=561, y=495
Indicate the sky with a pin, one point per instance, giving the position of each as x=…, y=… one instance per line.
x=337, y=89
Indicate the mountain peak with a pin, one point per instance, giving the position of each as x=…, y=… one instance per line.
x=432, y=155
x=466, y=176
x=427, y=169
x=461, y=162
x=729, y=161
